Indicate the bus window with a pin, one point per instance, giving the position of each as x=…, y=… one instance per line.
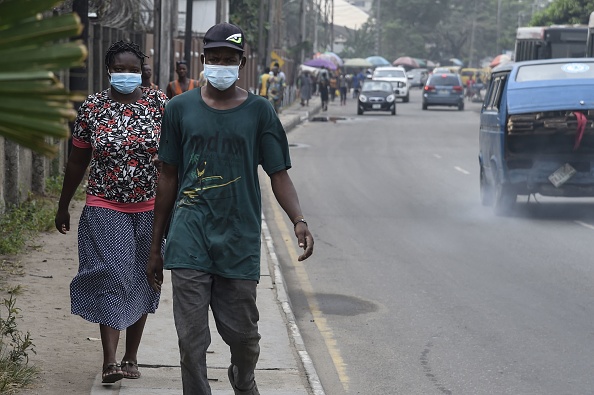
x=590, y=39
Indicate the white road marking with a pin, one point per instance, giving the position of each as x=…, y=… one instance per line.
x=585, y=225
x=461, y=170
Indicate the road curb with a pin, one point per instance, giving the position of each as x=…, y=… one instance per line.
x=283, y=299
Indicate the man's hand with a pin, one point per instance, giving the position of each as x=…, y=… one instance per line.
x=305, y=240
x=154, y=271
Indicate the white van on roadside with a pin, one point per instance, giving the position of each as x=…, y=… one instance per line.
x=397, y=76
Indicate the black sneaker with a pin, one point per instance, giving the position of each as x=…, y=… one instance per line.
x=251, y=391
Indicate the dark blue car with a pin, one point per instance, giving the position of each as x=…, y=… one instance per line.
x=537, y=131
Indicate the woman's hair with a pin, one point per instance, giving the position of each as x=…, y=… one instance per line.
x=122, y=46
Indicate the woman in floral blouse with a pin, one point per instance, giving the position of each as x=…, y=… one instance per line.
x=117, y=131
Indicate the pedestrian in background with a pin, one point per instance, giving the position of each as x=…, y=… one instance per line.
x=342, y=88
x=357, y=83
x=275, y=89
x=304, y=85
x=147, y=74
x=323, y=87
x=117, y=131
x=183, y=83
x=280, y=72
x=263, y=82
x=212, y=189
x=333, y=86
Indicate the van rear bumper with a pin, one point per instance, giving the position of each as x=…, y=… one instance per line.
x=527, y=176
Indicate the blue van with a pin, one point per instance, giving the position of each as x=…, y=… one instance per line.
x=537, y=131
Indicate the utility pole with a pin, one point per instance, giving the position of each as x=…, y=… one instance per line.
x=332, y=28
x=498, y=26
x=378, y=18
x=78, y=76
x=316, y=10
x=302, y=32
x=472, y=31
x=164, y=35
x=261, y=49
x=157, y=40
x=271, y=4
x=188, y=36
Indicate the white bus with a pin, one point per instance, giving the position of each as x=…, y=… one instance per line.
x=547, y=42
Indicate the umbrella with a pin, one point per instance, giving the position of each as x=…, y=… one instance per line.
x=421, y=62
x=334, y=57
x=357, y=62
x=329, y=58
x=319, y=62
x=406, y=61
x=378, y=61
x=499, y=60
x=456, y=62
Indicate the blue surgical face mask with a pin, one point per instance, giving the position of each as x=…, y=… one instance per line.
x=221, y=77
x=125, y=82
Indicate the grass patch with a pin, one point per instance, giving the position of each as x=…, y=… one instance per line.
x=20, y=223
x=15, y=347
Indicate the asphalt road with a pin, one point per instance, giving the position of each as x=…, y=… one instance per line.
x=414, y=287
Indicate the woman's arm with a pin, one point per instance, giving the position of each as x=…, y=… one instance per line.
x=78, y=161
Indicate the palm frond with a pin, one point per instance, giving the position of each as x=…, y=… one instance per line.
x=34, y=105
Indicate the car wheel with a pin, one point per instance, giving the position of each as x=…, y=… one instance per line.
x=359, y=111
x=461, y=106
x=406, y=98
x=424, y=106
x=487, y=194
x=394, y=109
x=505, y=199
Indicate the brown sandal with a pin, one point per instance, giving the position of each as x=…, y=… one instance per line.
x=112, y=373
x=130, y=370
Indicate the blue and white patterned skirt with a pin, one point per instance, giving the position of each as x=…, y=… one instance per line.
x=111, y=286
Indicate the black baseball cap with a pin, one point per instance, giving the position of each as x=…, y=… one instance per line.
x=224, y=35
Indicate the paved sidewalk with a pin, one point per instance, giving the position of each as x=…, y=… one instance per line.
x=284, y=367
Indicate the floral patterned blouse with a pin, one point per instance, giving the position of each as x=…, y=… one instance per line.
x=125, y=139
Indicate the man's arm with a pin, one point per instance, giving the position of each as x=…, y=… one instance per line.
x=166, y=194
x=286, y=196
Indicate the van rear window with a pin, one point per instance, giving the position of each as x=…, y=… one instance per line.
x=555, y=71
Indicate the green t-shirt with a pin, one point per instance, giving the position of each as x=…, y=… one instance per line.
x=216, y=221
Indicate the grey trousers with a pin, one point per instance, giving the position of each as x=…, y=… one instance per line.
x=233, y=304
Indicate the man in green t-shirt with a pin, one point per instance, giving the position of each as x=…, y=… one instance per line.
x=212, y=141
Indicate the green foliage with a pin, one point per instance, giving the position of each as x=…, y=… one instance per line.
x=564, y=12
x=442, y=29
x=36, y=214
x=20, y=222
x=34, y=104
x=15, y=347
x=360, y=43
x=245, y=14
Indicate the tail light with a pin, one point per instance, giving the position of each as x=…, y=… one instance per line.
x=429, y=88
x=458, y=88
